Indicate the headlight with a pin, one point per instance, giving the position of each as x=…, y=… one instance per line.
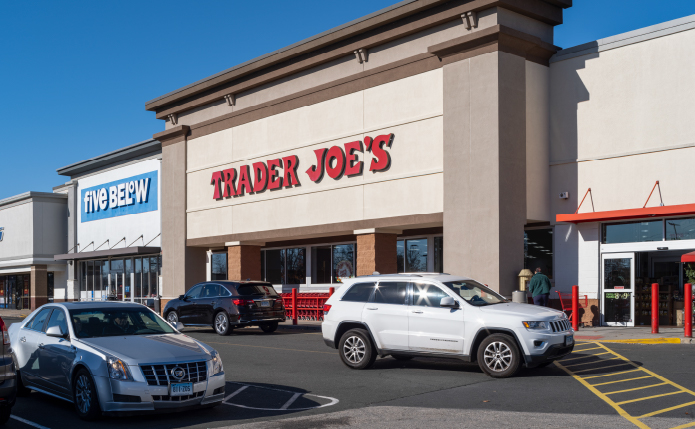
x=118, y=370
x=215, y=363
x=536, y=325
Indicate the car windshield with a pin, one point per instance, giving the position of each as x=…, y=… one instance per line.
x=474, y=293
x=112, y=322
x=256, y=289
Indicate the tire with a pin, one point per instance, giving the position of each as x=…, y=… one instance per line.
x=172, y=318
x=221, y=324
x=5, y=412
x=84, y=396
x=498, y=356
x=401, y=357
x=22, y=390
x=356, y=349
x=269, y=328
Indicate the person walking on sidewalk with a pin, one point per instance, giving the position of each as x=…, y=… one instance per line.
x=540, y=288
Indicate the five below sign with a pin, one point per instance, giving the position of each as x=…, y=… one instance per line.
x=336, y=162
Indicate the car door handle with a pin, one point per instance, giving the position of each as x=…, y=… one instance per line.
x=41, y=345
x=372, y=308
x=23, y=339
x=417, y=311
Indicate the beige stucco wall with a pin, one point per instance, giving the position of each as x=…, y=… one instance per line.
x=410, y=108
x=537, y=142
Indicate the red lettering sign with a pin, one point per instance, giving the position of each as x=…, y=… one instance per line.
x=335, y=170
x=274, y=183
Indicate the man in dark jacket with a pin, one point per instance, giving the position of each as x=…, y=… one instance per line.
x=540, y=288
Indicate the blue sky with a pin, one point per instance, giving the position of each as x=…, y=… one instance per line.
x=75, y=75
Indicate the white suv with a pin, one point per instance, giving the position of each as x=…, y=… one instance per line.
x=440, y=315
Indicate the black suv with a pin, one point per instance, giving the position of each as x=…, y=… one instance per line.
x=226, y=305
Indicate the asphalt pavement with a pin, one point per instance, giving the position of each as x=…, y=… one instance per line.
x=291, y=379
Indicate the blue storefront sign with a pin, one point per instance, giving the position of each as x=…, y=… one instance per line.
x=137, y=194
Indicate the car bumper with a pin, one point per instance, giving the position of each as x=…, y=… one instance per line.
x=8, y=391
x=552, y=353
x=127, y=397
x=540, y=347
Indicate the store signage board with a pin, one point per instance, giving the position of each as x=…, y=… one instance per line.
x=136, y=194
x=335, y=162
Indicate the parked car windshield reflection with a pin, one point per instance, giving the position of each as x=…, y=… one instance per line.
x=117, y=322
x=474, y=293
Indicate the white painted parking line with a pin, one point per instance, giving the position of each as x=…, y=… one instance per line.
x=27, y=422
x=290, y=401
x=286, y=406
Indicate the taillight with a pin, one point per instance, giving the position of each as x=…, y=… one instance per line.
x=326, y=308
x=242, y=302
x=5, y=334
x=279, y=302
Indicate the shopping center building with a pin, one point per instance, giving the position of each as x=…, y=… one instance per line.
x=439, y=136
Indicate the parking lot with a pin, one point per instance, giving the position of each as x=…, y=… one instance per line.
x=291, y=379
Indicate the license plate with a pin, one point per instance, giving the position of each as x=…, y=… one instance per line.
x=181, y=389
x=569, y=340
x=265, y=303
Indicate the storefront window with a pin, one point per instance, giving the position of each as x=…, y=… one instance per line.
x=632, y=232
x=50, y=285
x=284, y=266
x=411, y=256
x=218, y=266
x=538, y=250
x=343, y=262
x=680, y=229
x=138, y=278
x=295, y=265
x=274, y=266
x=438, y=255
x=120, y=279
x=322, y=264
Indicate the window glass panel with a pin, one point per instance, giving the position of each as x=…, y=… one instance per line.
x=90, y=280
x=58, y=319
x=138, y=278
x=194, y=292
x=416, y=256
x=103, y=273
x=538, y=250
x=263, y=277
x=617, y=273
x=83, y=283
x=50, y=279
x=343, y=262
x=426, y=295
x=256, y=289
x=680, y=229
x=391, y=293
x=359, y=292
x=295, y=265
x=438, y=255
x=37, y=323
x=154, y=276
x=274, y=269
x=127, y=291
x=632, y=232
x=219, y=266
x=210, y=291
x=116, y=272
x=322, y=265
x=400, y=264
x=224, y=291
x=145, y=277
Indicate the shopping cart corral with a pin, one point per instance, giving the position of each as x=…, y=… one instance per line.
x=308, y=306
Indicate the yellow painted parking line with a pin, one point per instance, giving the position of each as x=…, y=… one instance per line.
x=585, y=350
x=593, y=361
x=620, y=381
x=665, y=410
x=687, y=425
x=635, y=388
x=584, y=357
x=646, y=341
x=603, y=367
x=611, y=374
x=649, y=397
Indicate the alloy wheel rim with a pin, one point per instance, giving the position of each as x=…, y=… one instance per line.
x=172, y=318
x=354, y=349
x=83, y=394
x=498, y=356
x=221, y=323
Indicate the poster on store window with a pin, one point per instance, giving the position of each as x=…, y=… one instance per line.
x=344, y=270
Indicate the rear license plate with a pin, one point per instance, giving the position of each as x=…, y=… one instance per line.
x=265, y=303
x=181, y=389
x=569, y=340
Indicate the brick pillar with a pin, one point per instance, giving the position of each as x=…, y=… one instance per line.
x=376, y=252
x=38, y=287
x=244, y=262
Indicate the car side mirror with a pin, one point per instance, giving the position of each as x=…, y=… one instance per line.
x=179, y=326
x=56, y=331
x=181, y=297
x=449, y=302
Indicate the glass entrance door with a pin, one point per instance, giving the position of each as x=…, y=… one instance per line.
x=617, y=289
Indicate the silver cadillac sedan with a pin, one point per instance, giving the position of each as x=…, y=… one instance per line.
x=114, y=358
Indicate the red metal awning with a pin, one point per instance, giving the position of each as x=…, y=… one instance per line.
x=688, y=257
x=613, y=215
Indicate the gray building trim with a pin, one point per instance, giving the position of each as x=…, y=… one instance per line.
x=123, y=251
x=100, y=162
x=625, y=39
x=624, y=154
x=28, y=196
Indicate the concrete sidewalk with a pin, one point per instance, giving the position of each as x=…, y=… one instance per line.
x=638, y=335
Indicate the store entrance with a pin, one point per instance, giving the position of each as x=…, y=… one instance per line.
x=618, y=281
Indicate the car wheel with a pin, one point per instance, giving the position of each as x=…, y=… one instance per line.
x=85, y=396
x=22, y=390
x=498, y=356
x=401, y=357
x=356, y=350
x=173, y=318
x=221, y=324
x=269, y=327
x=5, y=411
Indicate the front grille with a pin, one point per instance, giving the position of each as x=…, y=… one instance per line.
x=560, y=325
x=176, y=398
x=160, y=375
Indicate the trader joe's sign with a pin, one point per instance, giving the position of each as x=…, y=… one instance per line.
x=336, y=162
